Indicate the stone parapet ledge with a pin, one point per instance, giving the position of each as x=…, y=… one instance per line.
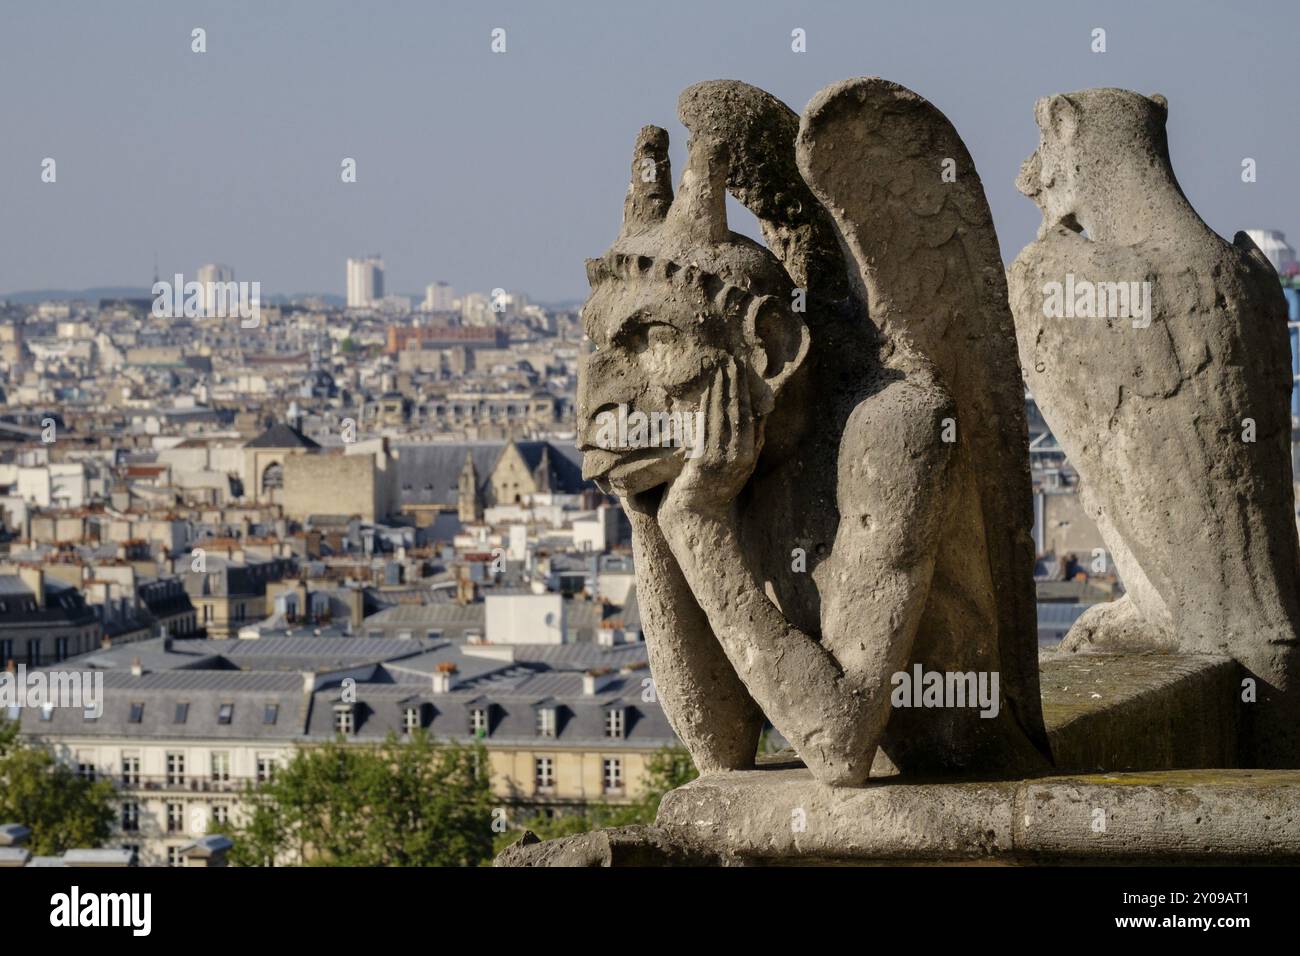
x=1153, y=711
x=1180, y=816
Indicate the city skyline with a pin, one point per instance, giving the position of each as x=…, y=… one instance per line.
x=494, y=189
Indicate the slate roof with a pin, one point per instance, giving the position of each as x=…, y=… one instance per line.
x=429, y=473
x=64, y=605
x=391, y=675
x=281, y=435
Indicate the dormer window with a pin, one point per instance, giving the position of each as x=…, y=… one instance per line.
x=345, y=720
x=411, y=719
x=137, y=712
x=225, y=713
x=615, y=722
x=478, y=721
x=270, y=714
x=546, y=722
x=182, y=713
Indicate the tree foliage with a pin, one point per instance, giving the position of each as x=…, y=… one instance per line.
x=63, y=810
x=402, y=803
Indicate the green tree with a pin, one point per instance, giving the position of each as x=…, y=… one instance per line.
x=62, y=809
x=401, y=803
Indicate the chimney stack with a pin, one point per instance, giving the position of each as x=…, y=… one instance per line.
x=34, y=578
x=444, y=675
x=137, y=669
x=594, y=681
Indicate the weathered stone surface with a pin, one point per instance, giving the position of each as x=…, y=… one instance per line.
x=619, y=846
x=859, y=500
x=1141, y=712
x=1165, y=817
x=1180, y=816
x=1176, y=418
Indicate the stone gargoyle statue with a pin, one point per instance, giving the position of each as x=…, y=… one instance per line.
x=1158, y=354
x=857, y=504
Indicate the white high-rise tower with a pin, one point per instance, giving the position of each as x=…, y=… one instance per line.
x=365, y=282
x=439, y=297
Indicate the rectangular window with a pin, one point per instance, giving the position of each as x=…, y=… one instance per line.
x=613, y=767
x=6, y=652
x=478, y=721
x=182, y=713
x=265, y=769
x=174, y=857
x=34, y=653
x=270, y=714
x=614, y=722
x=130, y=770
x=411, y=719
x=225, y=713
x=60, y=648
x=137, y=712
x=220, y=766
x=175, y=817
x=221, y=814
x=544, y=774
x=546, y=722
x=130, y=817
x=175, y=768
x=85, y=768
x=343, y=722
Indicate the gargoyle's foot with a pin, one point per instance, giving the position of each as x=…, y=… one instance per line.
x=1116, y=627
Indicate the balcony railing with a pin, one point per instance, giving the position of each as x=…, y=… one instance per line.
x=172, y=783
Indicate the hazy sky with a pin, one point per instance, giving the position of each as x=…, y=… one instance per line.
x=509, y=169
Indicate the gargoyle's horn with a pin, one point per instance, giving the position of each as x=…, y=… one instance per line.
x=650, y=192
x=700, y=209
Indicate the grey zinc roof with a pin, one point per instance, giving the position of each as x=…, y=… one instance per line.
x=204, y=691
x=451, y=618
x=318, y=653
x=580, y=657
x=391, y=675
x=281, y=435
x=153, y=656
x=429, y=473
x=513, y=705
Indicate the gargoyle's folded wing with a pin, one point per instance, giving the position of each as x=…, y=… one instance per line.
x=911, y=212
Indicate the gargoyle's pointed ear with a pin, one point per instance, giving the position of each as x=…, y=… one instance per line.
x=650, y=193
x=700, y=209
x=780, y=340
x=1059, y=114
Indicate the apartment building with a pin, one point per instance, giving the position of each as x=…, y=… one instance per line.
x=187, y=725
x=226, y=595
x=43, y=620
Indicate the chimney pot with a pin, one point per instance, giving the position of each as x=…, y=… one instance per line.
x=137, y=669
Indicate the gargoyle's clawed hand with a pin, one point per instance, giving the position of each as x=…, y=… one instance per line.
x=724, y=457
